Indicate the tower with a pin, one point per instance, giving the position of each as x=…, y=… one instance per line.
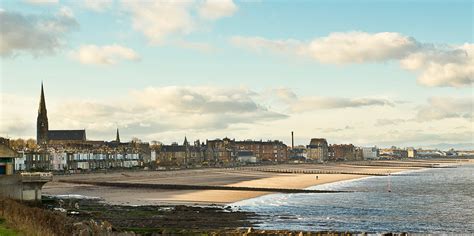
x=185, y=143
x=292, y=141
x=42, y=121
x=117, y=138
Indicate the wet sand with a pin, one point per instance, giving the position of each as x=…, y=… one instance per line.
x=243, y=177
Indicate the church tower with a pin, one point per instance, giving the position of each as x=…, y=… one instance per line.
x=117, y=138
x=185, y=143
x=42, y=121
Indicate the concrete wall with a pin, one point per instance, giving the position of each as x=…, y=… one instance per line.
x=11, y=186
x=14, y=187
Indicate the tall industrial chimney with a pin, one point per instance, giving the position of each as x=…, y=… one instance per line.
x=292, y=141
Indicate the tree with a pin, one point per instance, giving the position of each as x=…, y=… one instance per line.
x=155, y=144
x=17, y=144
x=31, y=144
x=136, y=140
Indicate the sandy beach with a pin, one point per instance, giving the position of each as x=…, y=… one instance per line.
x=242, y=177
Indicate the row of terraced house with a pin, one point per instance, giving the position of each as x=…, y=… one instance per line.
x=93, y=155
x=220, y=152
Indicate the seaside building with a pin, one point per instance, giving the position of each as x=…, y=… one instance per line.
x=19, y=186
x=430, y=153
x=179, y=155
x=341, y=152
x=393, y=152
x=298, y=154
x=411, y=152
x=220, y=152
x=7, y=158
x=69, y=150
x=317, y=150
x=37, y=160
x=225, y=151
x=20, y=162
x=246, y=157
x=370, y=153
x=265, y=151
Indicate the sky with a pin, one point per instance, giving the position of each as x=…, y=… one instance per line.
x=364, y=72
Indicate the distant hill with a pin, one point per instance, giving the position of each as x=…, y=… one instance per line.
x=447, y=146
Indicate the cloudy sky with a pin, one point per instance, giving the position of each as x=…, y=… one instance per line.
x=362, y=72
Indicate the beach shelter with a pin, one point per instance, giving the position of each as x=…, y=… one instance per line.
x=7, y=157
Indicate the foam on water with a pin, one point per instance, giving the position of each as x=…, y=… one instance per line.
x=73, y=196
x=429, y=200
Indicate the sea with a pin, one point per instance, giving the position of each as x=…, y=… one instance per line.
x=434, y=201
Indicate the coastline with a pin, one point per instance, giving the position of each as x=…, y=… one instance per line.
x=413, y=205
x=246, y=177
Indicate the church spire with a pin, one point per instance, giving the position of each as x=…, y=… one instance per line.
x=42, y=104
x=42, y=121
x=185, y=143
x=117, y=138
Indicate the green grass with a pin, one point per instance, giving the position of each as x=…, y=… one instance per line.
x=4, y=231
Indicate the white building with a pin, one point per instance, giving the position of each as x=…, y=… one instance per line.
x=20, y=162
x=58, y=159
x=246, y=157
x=370, y=153
x=411, y=152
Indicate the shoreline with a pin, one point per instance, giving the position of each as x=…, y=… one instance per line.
x=233, y=178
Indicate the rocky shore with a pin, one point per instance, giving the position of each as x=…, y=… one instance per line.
x=151, y=220
x=168, y=220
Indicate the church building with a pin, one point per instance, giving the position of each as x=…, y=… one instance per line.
x=45, y=136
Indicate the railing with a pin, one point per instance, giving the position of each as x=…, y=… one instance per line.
x=37, y=177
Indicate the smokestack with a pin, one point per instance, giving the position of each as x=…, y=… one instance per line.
x=292, y=141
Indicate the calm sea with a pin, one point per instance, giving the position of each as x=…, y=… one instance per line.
x=426, y=201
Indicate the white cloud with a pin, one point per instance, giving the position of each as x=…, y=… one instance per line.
x=259, y=44
x=360, y=47
x=145, y=113
x=104, y=55
x=285, y=94
x=14, y=118
x=161, y=109
x=385, y=122
x=215, y=9
x=439, y=66
x=443, y=66
x=338, y=48
x=98, y=5
x=168, y=113
x=305, y=104
x=42, y=1
x=159, y=19
x=446, y=107
x=199, y=99
x=35, y=34
x=163, y=22
x=301, y=104
x=66, y=12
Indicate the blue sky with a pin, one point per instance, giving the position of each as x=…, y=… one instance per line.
x=366, y=72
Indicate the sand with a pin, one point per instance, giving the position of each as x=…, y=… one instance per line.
x=246, y=177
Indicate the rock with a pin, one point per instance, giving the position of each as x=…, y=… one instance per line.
x=250, y=230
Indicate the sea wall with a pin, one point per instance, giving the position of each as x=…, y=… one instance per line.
x=11, y=187
x=23, y=188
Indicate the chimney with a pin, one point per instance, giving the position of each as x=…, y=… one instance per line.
x=292, y=141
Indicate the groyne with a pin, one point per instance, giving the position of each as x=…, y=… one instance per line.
x=302, y=171
x=197, y=187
